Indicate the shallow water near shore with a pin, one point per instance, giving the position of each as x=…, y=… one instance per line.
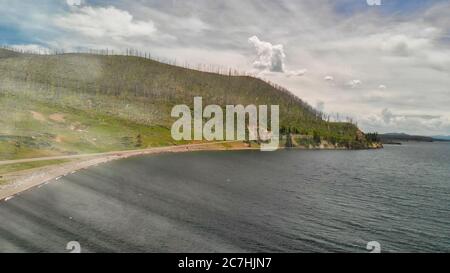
x=248, y=201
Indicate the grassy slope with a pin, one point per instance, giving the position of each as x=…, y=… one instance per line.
x=79, y=103
x=30, y=165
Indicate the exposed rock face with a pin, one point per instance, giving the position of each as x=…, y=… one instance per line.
x=360, y=136
x=307, y=142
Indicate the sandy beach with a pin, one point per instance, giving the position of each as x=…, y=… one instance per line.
x=25, y=180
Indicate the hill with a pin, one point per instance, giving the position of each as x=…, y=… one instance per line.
x=83, y=103
x=4, y=53
x=399, y=137
x=441, y=138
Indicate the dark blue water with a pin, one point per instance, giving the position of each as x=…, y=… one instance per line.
x=286, y=201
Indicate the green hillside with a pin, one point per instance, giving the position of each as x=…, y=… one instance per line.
x=83, y=103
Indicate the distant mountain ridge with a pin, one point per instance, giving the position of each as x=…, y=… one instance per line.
x=396, y=137
x=442, y=138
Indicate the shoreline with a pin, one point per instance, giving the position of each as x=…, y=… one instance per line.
x=29, y=179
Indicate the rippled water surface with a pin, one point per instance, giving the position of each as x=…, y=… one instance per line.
x=286, y=201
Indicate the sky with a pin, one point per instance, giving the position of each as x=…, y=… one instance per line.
x=385, y=66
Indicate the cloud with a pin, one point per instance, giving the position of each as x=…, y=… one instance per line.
x=387, y=115
x=32, y=48
x=297, y=73
x=74, y=2
x=425, y=117
x=354, y=83
x=388, y=122
x=109, y=22
x=406, y=45
x=269, y=57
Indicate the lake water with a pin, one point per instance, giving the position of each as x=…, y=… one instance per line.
x=286, y=201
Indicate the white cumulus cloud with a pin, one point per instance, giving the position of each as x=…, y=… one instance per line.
x=269, y=57
x=354, y=83
x=107, y=22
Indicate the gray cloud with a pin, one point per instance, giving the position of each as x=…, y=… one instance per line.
x=387, y=121
x=387, y=115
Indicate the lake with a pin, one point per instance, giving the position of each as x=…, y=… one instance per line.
x=249, y=201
